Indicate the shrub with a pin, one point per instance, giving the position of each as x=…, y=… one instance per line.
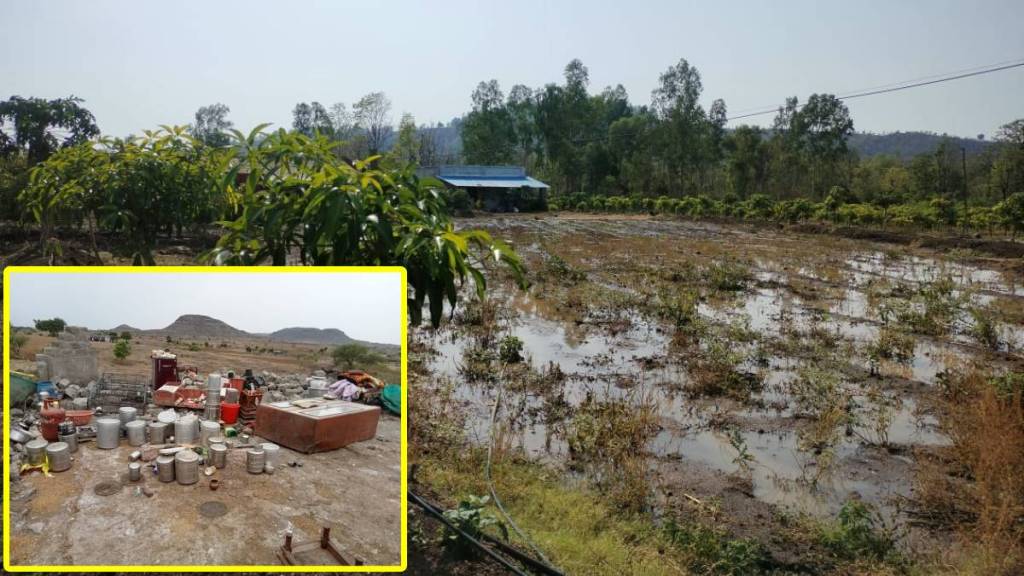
x=858, y=534
x=472, y=517
x=122, y=349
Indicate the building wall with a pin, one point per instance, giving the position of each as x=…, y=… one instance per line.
x=71, y=357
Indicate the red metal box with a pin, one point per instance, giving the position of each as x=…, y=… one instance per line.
x=329, y=425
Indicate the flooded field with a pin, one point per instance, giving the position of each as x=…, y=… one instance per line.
x=761, y=373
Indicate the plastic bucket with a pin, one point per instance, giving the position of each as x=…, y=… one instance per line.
x=229, y=413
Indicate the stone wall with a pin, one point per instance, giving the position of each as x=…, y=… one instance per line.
x=71, y=357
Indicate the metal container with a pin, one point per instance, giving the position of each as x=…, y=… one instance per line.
x=158, y=432
x=218, y=439
x=255, y=460
x=135, y=472
x=213, y=382
x=127, y=414
x=136, y=432
x=168, y=416
x=271, y=450
x=36, y=450
x=165, y=468
x=212, y=412
x=207, y=430
x=81, y=403
x=219, y=455
x=59, y=455
x=185, y=430
x=108, y=433
x=186, y=467
x=71, y=440
x=231, y=396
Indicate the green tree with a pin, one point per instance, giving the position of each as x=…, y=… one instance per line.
x=40, y=126
x=746, y=160
x=53, y=326
x=300, y=202
x=126, y=335
x=683, y=124
x=122, y=349
x=1011, y=212
x=488, y=134
x=212, y=125
x=349, y=356
x=407, y=146
x=136, y=188
x=309, y=119
x=373, y=117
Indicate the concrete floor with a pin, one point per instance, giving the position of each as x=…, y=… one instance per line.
x=355, y=490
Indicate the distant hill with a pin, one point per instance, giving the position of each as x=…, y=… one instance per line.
x=311, y=335
x=199, y=326
x=906, y=145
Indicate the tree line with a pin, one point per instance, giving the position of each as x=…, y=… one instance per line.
x=597, y=150
x=600, y=145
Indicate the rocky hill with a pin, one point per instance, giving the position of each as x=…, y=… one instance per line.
x=311, y=335
x=199, y=326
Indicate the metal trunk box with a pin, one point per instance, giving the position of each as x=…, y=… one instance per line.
x=327, y=425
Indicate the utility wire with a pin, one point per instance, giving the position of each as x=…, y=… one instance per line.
x=896, y=88
x=899, y=83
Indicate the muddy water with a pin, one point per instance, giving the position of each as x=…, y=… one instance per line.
x=780, y=470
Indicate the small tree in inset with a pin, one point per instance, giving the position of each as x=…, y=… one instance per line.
x=122, y=348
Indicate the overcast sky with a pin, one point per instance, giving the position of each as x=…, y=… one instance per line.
x=141, y=64
x=366, y=306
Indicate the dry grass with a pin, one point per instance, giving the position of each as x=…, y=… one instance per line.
x=977, y=486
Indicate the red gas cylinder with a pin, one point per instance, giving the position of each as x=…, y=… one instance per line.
x=51, y=415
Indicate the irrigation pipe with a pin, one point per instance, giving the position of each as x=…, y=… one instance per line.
x=490, y=480
x=494, y=555
x=521, y=557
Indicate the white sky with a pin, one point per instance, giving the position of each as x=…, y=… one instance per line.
x=366, y=306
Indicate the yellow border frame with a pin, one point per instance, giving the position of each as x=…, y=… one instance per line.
x=12, y=270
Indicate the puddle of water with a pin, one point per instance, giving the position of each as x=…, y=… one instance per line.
x=597, y=363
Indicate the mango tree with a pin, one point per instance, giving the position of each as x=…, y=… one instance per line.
x=300, y=204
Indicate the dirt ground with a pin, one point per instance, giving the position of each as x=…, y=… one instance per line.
x=355, y=490
x=287, y=357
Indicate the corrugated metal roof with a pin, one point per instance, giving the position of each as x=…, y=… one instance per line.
x=524, y=182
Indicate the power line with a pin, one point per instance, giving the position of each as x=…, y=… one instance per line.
x=896, y=88
x=899, y=83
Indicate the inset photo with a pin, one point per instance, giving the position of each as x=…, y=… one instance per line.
x=197, y=419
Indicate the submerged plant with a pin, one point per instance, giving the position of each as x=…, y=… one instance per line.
x=510, y=350
x=727, y=275
x=984, y=328
x=609, y=438
x=743, y=458
x=859, y=533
